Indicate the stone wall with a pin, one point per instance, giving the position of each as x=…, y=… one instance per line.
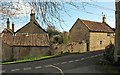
x=79, y=32
x=68, y=48
x=27, y=52
x=0, y=49
x=31, y=28
x=6, y=52
x=99, y=40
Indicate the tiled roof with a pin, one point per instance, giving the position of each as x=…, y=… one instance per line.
x=21, y=39
x=97, y=26
x=30, y=27
x=7, y=31
x=31, y=40
x=6, y=38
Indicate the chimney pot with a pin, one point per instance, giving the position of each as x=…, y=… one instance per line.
x=32, y=15
x=13, y=27
x=104, y=19
x=8, y=24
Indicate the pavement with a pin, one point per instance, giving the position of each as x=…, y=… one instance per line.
x=73, y=63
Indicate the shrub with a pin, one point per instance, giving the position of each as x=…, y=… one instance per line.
x=109, y=53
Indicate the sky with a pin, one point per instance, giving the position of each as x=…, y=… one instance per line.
x=92, y=14
x=92, y=10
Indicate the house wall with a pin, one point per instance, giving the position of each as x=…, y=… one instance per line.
x=6, y=52
x=79, y=32
x=99, y=40
x=27, y=52
x=31, y=28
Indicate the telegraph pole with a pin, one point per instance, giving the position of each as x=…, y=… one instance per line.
x=117, y=32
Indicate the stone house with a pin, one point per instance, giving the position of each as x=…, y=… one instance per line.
x=96, y=35
x=29, y=41
x=6, y=38
x=30, y=45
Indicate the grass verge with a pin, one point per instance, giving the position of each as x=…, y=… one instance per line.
x=26, y=60
x=35, y=59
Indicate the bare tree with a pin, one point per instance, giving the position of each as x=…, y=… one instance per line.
x=48, y=11
x=9, y=9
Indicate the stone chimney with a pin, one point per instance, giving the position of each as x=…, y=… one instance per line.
x=104, y=19
x=32, y=15
x=13, y=27
x=8, y=24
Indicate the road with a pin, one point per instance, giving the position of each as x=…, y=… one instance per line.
x=74, y=63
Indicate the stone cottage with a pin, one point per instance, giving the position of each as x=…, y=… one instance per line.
x=6, y=39
x=96, y=35
x=29, y=41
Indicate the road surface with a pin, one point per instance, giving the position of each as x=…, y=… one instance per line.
x=74, y=63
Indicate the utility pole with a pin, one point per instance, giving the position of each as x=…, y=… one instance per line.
x=117, y=32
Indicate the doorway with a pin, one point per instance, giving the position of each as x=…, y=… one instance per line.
x=88, y=47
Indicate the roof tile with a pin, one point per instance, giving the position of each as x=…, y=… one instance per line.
x=31, y=40
x=97, y=26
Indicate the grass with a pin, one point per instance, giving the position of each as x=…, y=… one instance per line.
x=26, y=60
x=30, y=59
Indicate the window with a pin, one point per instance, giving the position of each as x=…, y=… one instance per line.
x=100, y=42
x=108, y=34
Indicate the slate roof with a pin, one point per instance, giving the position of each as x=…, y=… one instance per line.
x=31, y=40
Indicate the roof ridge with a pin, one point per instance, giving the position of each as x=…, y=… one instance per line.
x=91, y=21
x=22, y=27
x=7, y=30
x=36, y=23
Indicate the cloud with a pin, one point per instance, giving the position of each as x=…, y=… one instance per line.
x=24, y=8
x=16, y=9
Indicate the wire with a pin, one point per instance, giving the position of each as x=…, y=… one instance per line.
x=101, y=7
x=84, y=4
x=95, y=13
